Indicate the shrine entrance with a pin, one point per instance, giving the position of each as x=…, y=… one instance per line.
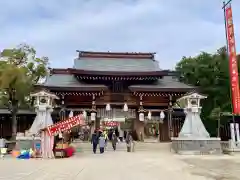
x=151, y=130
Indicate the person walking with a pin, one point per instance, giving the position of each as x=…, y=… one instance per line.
x=124, y=135
x=129, y=142
x=121, y=134
x=3, y=149
x=105, y=135
x=101, y=143
x=114, y=141
x=94, y=141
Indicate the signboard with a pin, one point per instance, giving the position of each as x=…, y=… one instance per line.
x=233, y=66
x=65, y=125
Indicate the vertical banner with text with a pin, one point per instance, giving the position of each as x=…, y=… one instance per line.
x=233, y=66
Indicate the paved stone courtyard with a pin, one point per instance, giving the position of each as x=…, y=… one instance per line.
x=124, y=166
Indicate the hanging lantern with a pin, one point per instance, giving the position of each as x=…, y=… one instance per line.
x=70, y=114
x=162, y=116
x=125, y=107
x=108, y=107
x=93, y=116
x=141, y=116
x=85, y=114
x=149, y=115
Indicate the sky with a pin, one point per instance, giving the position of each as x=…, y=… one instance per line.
x=171, y=28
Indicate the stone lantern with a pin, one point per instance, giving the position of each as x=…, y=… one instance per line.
x=43, y=104
x=44, y=99
x=44, y=107
x=193, y=101
x=193, y=137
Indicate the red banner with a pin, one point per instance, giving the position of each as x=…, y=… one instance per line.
x=233, y=66
x=65, y=125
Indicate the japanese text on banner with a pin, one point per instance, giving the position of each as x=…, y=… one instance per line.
x=233, y=66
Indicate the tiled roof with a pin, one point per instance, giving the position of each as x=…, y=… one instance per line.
x=69, y=81
x=115, y=64
x=164, y=84
x=20, y=111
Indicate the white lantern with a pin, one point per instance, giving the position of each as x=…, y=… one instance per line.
x=141, y=116
x=149, y=115
x=93, y=116
x=108, y=107
x=125, y=107
x=70, y=114
x=85, y=114
x=162, y=115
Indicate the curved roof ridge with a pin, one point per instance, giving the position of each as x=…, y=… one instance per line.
x=110, y=54
x=117, y=64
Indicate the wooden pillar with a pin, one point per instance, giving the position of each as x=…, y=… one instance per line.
x=94, y=110
x=62, y=112
x=2, y=125
x=139, y=125
x=170, y=118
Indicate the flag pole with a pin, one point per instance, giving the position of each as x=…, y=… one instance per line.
x=225, y=4
x=226, y=36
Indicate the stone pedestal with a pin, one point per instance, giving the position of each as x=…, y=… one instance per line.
x=196, y=146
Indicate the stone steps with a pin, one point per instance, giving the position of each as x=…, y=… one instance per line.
x=139, y=146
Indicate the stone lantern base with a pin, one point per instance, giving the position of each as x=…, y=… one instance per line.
x=196, y=146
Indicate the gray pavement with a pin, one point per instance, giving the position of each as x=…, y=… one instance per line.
x=110, y=166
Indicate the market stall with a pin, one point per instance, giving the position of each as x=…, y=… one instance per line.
x=61, y=129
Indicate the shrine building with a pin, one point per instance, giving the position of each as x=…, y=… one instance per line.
x=128, y=90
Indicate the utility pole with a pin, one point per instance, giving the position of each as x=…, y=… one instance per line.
x=226, y=3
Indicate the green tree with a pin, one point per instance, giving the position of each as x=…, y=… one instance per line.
x=209, y=72
x=20, y=70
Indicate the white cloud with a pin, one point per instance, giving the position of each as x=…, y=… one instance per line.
x=171, y=28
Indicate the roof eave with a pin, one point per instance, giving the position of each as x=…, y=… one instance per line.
x=159, y=89
x=77, y=89
x=121, y=73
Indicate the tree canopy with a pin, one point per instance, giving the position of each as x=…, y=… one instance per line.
x=20, y=70
x=209, y=72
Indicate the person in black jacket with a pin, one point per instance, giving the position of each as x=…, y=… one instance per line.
x=94, y=141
